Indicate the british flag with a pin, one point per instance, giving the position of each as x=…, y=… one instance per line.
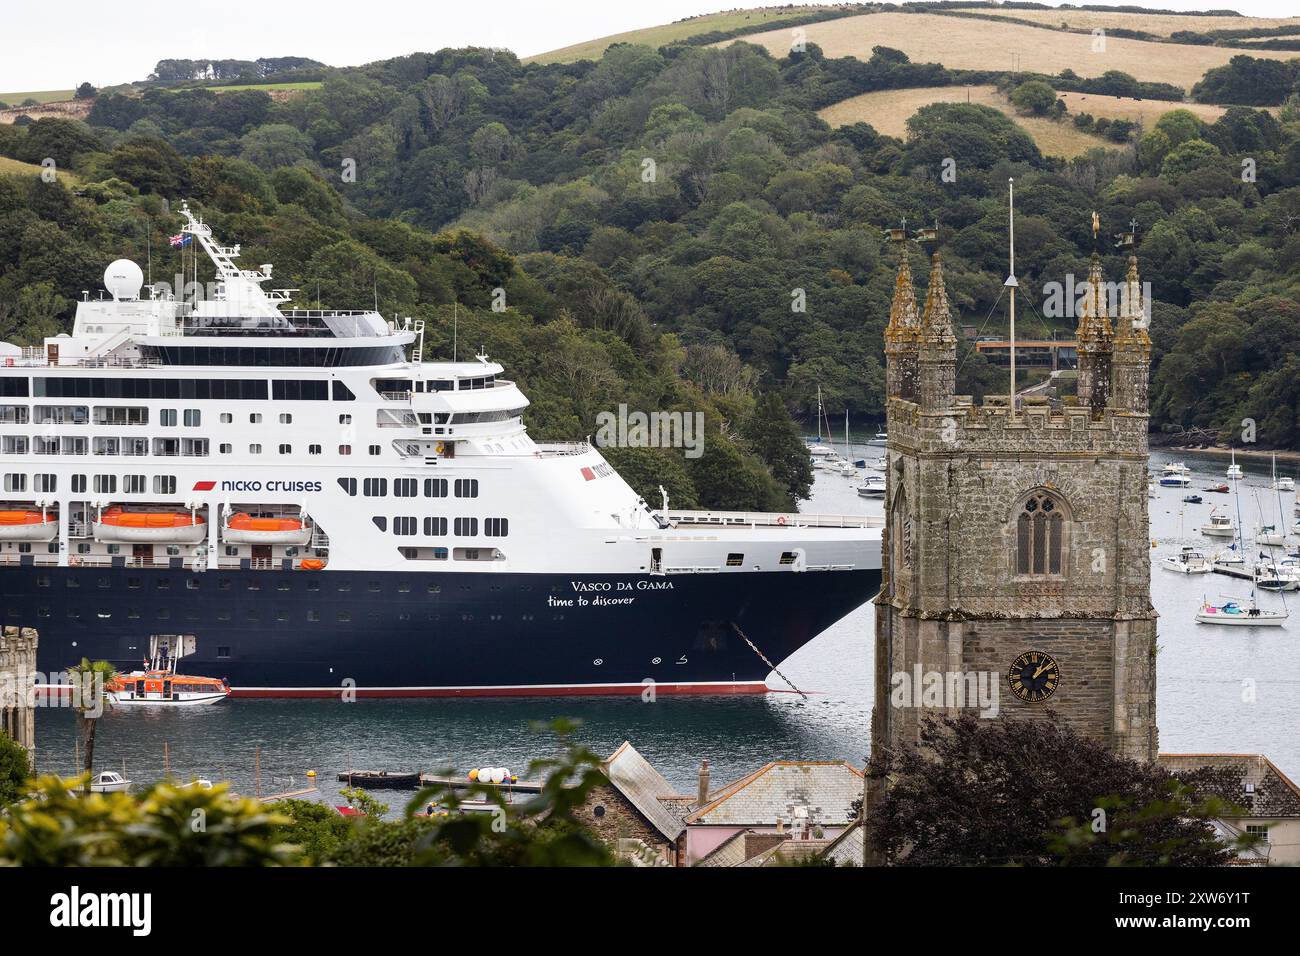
x=180, y=239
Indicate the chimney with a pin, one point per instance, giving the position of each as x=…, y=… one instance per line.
x=703, y=794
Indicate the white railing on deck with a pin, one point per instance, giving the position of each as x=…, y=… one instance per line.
x=759, y=519
x=554, y=448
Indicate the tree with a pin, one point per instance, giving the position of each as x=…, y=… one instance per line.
x=57, y=826
x=15, y=769
x=1034, y=96
x=90, y=698
x=1188, y=156
x=771, y=432
x=1034, y=792
x=85, y=92
x=275, y=145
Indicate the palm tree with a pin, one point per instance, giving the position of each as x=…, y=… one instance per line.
x=90, y=697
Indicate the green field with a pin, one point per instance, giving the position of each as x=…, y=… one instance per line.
x=12, y=167
x=269, y=87
x=40, y=96
x=668, y=32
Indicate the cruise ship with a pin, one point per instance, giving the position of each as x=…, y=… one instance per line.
x=327, y=512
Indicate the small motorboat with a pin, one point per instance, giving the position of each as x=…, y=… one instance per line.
x=880, y=440
x=1192, y=499
x=1219, y=526
x=1234, y=470
x=1187, y=561
x=157, y=684
x=1282, y=483
x=1277, y=576
x=1219, y=489
x=109, y=781
x=163, y=687
x=872, y=487
x=1175, y=481
x=880, y=464
x=1232, y=613
x=820, y=451
x=380, y=780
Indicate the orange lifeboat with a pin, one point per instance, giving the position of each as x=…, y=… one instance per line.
x=311, y=564
x=118, y=524
x=159, y=687
x=243, y=528
x=26, y=525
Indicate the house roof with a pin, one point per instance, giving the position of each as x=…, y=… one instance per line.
x=846, y=849
x=769, y=795
x=646, y=789
x=1250, y=781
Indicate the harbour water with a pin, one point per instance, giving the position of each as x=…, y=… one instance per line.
x=1220, y=690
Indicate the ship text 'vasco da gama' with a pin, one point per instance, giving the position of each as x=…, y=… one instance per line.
x=323, y=510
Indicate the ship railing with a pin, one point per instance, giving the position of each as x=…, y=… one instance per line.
x=758, y=519
x=557, y=449
x=395, y=396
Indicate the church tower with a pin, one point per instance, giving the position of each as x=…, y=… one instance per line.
x=1016, y=541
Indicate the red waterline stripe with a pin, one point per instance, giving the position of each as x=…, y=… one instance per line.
x=576, y=690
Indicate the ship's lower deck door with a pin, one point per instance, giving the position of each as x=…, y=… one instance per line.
x=142, y=552
x=261, y=552
x=656, y=560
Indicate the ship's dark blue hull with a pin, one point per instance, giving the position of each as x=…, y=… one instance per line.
x=300, y=633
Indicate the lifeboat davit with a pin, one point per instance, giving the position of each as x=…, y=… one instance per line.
x=242, y=528
x=28, y=525
x=117, y=524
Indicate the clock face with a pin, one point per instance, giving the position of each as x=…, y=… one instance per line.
x=1034, y=676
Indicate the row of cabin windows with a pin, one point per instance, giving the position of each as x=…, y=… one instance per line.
x=201, y=389
x=409, y=487
x=397, y=385
x=128, y=447
x=122, y=415
x=434, y=526
x=104, y=445
x=102, y=484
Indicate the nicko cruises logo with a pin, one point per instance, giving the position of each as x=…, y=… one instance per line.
x=259, y=485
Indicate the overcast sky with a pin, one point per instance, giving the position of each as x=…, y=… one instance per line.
x=57, y=45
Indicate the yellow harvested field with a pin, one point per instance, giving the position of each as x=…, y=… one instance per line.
x=977, y=44
x=657, y=36
x=1123, y=107
x=1160, y=24
x=888, y=112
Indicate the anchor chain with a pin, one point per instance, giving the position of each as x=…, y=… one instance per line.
x=753, y=647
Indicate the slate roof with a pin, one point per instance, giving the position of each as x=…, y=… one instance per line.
x=1271, y=793
x=846, y=849
x=646, y=789
x=769, y=794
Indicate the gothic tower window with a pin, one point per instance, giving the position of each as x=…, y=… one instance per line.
x=1040, y=535
x=903, y=534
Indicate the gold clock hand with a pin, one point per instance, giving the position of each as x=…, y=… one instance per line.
x=1045, y=666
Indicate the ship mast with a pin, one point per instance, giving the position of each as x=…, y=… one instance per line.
x=1012, y=285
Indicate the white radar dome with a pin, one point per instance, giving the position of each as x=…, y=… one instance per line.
x=123, y=279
